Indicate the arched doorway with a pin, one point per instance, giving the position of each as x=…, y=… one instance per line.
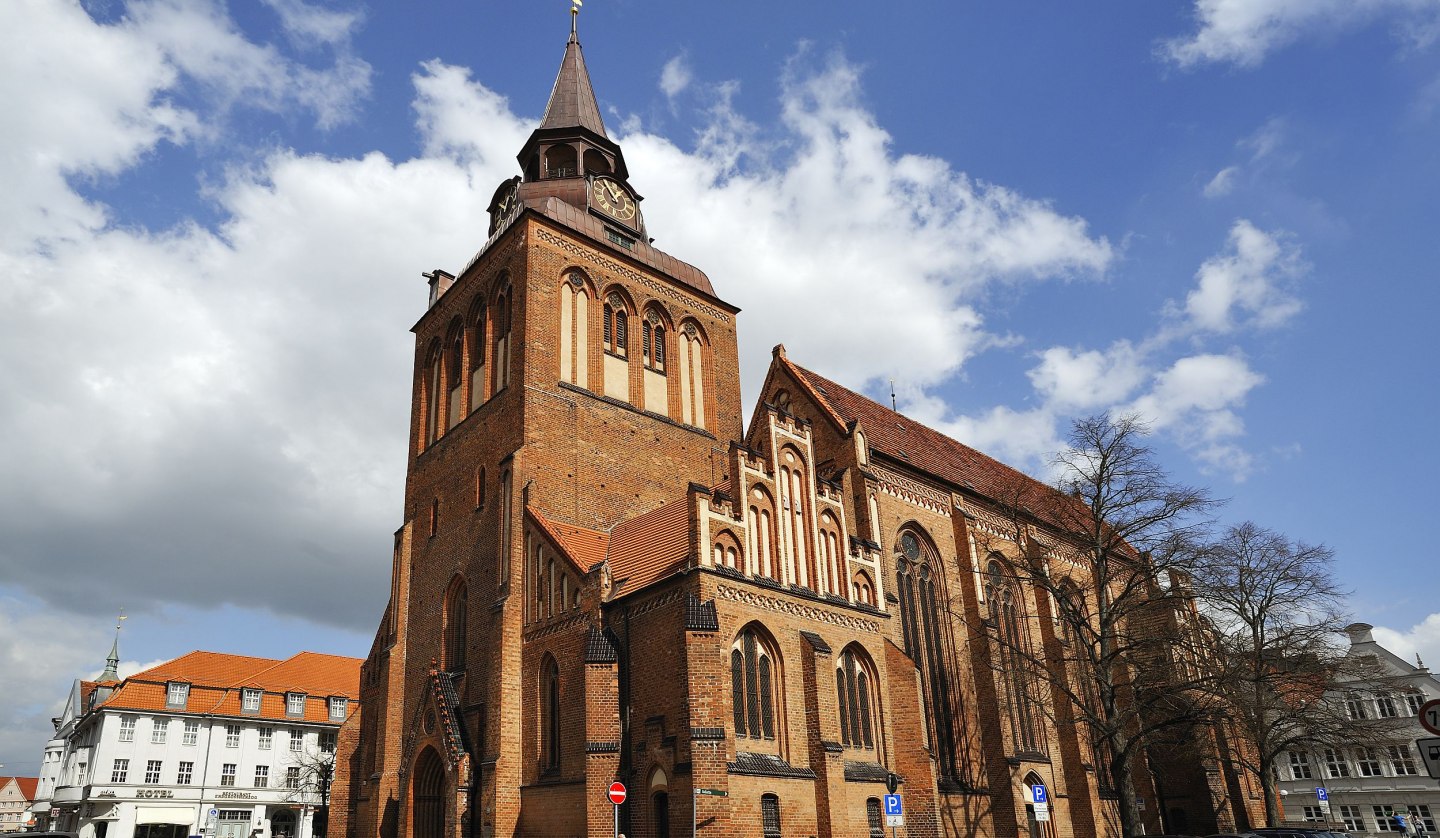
x=1037, y=811
x=427, y=801
x=282, y=824
x=660, y=802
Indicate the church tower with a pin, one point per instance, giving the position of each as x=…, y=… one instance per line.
x=570, y=373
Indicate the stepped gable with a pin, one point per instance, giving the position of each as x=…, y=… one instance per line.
x=650, y=547
x=926, y=449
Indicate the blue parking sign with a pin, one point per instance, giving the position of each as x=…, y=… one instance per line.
x=893, y=806
x=1040, y=795
x=1322, y=793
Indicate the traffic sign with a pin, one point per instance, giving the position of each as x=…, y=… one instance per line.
x=1323, y=794
x=214, y=813
x=616, y=793
x=1042, y=811
x=1430, y=752
x=1039, y=794
x=1430, y=716
x=894, y=810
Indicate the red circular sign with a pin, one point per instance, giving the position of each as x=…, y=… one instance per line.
x=617, y=792
x=1430, y=716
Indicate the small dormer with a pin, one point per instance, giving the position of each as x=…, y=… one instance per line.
x=177, y=695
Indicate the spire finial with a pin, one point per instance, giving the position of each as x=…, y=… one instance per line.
x=112, y=663
x=575, y=18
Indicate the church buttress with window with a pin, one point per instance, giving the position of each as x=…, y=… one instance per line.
x=600, y=577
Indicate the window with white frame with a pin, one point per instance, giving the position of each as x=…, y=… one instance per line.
x=1335, y=764
x=1314, y=813
x=294, y=704
x=1385, y=819
x=1355, y=707
x=119, y=770
x=1414, y=701
x=127, y=728
x=192, y=733
x=338, y=706
x=1420, y=816
x=249, y=700
x=1385, y=706
x=1368, y=761
x=1402, y=761
x=158, y=729
x=262, y=776
x=267, y=734
x=227, y=774
x=292, y=777
x=186, y=774
x=1354, y=821
x=152, y=772
x=297, y=739
x=1300, y=766
x=176, y=694
x=232, y=736
x=327, y=741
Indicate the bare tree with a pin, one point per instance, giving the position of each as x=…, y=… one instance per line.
x=1276, y=611
x=1117, y=662
x=314, y=770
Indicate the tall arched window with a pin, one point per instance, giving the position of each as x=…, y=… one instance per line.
x=855, y=688
x=434, y=361
x=770, y=816
x=616, y=339
x=926, y=633
x=1073, y=615
x=1007, y=612
x=753, y=687
x=762, y=534
x=575, y=331
x=455, y=373
x=457, y=610
x=794, y=502
x=549, y=714
x=692, y=374
x=478, y=352
x=652, y=351
x=832, y=560
x=502, y=317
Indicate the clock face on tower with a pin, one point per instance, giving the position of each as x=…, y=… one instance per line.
x=610, y=197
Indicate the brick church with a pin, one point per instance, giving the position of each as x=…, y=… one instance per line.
x=602, y=575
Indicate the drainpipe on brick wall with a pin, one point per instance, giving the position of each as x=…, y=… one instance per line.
x=623, y=657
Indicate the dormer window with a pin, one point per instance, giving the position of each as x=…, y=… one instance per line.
x=249, y=700
x=177, y=694
x=338, y=706
x=295, y=704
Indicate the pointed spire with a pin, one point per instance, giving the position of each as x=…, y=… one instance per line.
x=572, y=102
x=112, y=663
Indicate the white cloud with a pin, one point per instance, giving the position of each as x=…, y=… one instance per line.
x=1249, y=284
x=1223, y=183
x=307, y=24
x=1079, y=380
x=1244, y=32
x=675, y=77
x=1423, y=639
x=1196, y=400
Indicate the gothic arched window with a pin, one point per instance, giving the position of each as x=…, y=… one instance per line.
x=926, y=634
x=753, y=687
x=478, y=329
x=855, y=688
x=574, y=331
x=434, y=360
x=693, y=364
x=762, y=534
x=456, y=616
x=502, y=339
x=455, y=373
x=654, y=342
x=1007, y=612
x=549, y=714
x=616, y=326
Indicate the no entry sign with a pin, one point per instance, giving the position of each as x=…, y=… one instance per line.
x=616, y=793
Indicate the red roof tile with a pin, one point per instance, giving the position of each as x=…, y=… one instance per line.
x=585, y=547
x=26, y=784
x=924, y=448
x=650, y=547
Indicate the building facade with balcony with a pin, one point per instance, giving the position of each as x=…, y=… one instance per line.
x=219, y=745
x=1376, y=776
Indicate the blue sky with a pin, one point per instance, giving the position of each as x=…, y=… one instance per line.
x=1220, y=213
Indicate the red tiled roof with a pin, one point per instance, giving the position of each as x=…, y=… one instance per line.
x=26, y=784
x=650, y=547
x=216, y=680
x=585, y=547
x=924, y=448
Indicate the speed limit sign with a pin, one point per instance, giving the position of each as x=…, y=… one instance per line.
x=1430, y=716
